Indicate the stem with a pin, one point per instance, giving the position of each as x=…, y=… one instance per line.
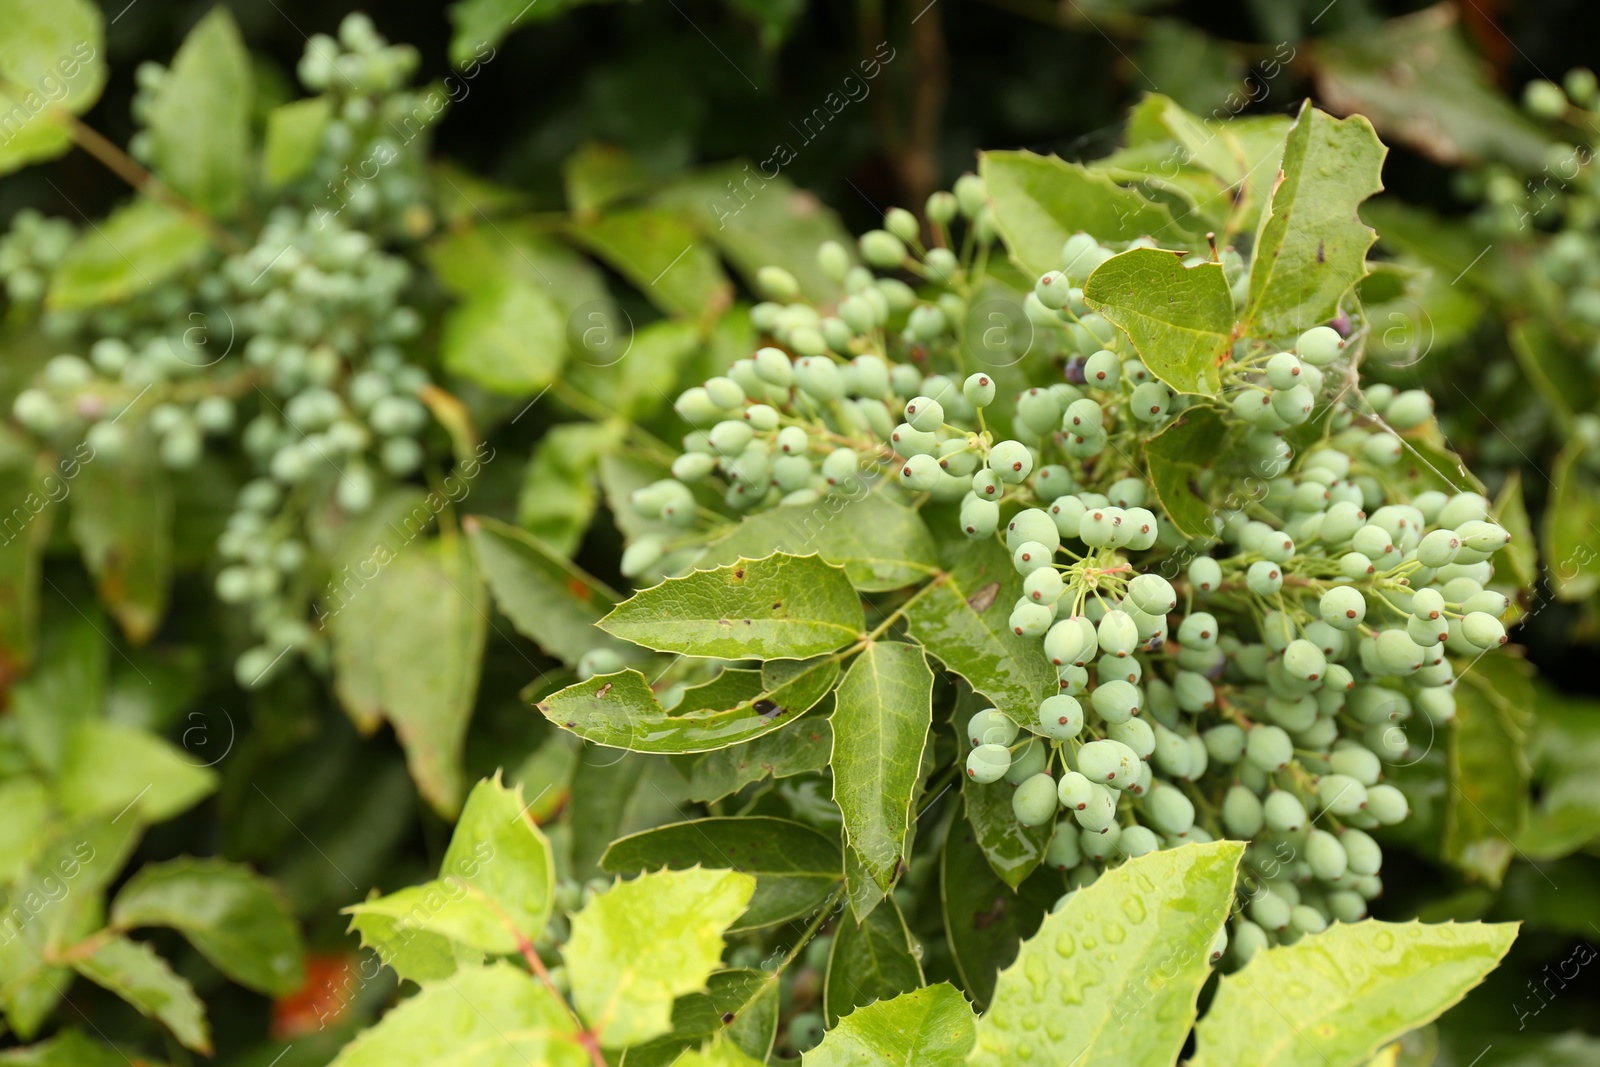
x=125, y=167
x=894, y=615
x=817, y=921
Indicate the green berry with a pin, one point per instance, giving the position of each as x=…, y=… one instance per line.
x=988, y=763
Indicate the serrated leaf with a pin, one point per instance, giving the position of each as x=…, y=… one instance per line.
x=509, y=337
x=795, y=867
x=930, y=1027
x=962, y=622
x=141, y=245
x=804, y=745
x=1040, y=201
x=663, y=254
x=66, y=688
x=51, y=55
x=881, y=545
x=1570, y=520
x=133, y=971
x=1311, y=247
x=779, y=607
x=720, y=1052
x=547, y=598
x=603, y=785
x=232, y=916
x=1133, y=945
x=1180, y=319
x=294, y=136
x=1446, y=103
x=747, y=999
x=620, y=710
x=881, y=717
x=107, y=767
x=495, y=1016
x=1337, y=996
x=199, y=122
x=413, y=954
x=496, y=885
x=1188, y=445
x=407, y=647
x=641, y=944
x=871, y=959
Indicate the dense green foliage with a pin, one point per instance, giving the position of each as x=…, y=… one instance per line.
x=614, y=615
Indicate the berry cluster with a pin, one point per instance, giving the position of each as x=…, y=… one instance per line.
x=1310, y=647
x=323, y=400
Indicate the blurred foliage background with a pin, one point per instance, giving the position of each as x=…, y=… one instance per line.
x=677, y=84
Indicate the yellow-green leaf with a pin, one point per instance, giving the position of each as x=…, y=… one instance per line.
x=495, y=1016
x=141, y=245
x=1040, y=201
x=51, y=55
x=1134, y=946
x=641, y=944
x=133, y=971
x=1338, y=996
x=931, y=1027
x=294, y=136
x=1180, y=319
x=199, y=122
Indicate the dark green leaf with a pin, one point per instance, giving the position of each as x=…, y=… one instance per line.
x=778, y=607
x=595, y=176
x=1570, y=520
x=1311, y=247
x=984, y=919
x=547, y=598
x=235, y=918
x=1190, y=444
x=872, y=960
x=619, y=710
x=962, y=621
x=1488, y=804
x=1445, y=103
x=749, y=997
x=1180, y=319
x=24, y=530
x=795, y=867
x=881, y=545
x=880, y=727
x=804, y=745
x=1013, y=850
x=558, y=494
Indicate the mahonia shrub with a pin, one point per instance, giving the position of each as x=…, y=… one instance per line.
x=1207, y=443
